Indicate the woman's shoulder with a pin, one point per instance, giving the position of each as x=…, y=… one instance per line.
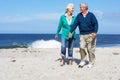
x=63, y=15
x=74, y=16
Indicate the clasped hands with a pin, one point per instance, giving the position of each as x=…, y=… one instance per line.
x=70, y=35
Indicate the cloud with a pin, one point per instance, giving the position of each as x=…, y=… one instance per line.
x=112, y=19
x=46, y=16
x=106, y=16
x=21, y=18
x=12, y=19
x=107, y=19
x=112, y=16
x=98, y=14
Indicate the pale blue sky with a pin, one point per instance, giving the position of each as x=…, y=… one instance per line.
x=42, y=16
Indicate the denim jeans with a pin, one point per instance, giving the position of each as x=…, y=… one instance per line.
x=70, y=48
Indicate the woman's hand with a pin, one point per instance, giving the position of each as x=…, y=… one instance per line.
x=56, y=37
x=70, y=35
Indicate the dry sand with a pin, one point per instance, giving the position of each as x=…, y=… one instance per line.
x=44, y=64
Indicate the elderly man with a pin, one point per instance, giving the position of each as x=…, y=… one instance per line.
x=88, y=27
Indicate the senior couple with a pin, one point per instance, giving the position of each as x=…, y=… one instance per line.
x=88, y=27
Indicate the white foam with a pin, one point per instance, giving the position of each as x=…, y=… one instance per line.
x=45, y=44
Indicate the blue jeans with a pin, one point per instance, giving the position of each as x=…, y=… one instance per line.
x=70, y=48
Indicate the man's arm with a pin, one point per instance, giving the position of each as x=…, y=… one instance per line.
x=95, y=25
x=74, y=26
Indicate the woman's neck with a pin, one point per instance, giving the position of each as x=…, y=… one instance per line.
x=69, y=14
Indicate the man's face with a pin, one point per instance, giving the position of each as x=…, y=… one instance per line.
x=82, y=8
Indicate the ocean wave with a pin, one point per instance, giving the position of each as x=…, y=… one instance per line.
x=14, y=46
x=45, y=44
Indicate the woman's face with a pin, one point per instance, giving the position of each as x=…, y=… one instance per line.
x=71, y=9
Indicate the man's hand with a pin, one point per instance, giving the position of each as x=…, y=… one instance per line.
x=56, y=37
x=94, y=35
x=70, y=35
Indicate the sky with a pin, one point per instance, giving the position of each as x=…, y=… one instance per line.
x=42, y=16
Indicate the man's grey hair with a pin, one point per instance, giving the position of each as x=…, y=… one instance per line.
x=85, y=5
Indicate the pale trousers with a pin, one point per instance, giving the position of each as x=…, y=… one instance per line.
x=87, y=46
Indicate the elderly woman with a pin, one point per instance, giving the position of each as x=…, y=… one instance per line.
x=66, y=20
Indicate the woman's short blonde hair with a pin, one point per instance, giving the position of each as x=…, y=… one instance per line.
x=69, y=6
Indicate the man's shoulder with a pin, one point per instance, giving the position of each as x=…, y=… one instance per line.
x=79, y=14
x=90, y=13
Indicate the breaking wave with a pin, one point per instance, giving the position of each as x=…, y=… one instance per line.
x=45, y=44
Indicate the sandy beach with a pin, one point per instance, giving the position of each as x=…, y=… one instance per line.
x=44, y=64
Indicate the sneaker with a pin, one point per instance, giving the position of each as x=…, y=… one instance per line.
x=89, y=65
x=81, y=64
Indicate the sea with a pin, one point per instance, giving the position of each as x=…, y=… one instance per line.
x=48, y=41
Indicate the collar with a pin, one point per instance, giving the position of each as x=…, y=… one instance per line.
x=66, y=15
x=85, y=13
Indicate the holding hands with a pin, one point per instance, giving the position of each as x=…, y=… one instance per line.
x=70, y=35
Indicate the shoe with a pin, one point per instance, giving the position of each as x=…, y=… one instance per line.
x=81, y=64
x=89, y=65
